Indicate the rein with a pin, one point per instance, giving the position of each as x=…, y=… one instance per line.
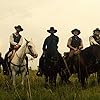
x=17, y=65
x=18, y=56
x=30, y=50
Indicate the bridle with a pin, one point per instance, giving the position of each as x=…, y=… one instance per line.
x=30, y=50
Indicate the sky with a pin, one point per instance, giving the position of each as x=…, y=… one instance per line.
x=37, y=16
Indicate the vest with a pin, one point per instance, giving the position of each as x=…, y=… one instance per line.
x=76, y=41
x=16, y=39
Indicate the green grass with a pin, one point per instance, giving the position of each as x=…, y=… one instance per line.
x=71, y=91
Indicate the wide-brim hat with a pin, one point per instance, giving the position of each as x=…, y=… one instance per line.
x=52, y=30
x=97, y=29
x=19, y=27
x=76, y=30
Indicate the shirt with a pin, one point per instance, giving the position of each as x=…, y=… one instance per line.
x=92, y=41
x=12, y=42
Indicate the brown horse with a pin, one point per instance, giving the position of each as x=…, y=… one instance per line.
x=85, y=63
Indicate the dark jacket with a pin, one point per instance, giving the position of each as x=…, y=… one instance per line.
x=50, y=45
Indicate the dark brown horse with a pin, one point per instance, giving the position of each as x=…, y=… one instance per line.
x=85, y=63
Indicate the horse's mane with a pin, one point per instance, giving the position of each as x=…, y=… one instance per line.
x=88, y=53
x=89, y=48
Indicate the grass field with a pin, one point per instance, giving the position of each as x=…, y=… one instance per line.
x=37, y=91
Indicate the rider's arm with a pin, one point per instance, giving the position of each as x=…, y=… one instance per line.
x=81, y=45
x=12, y=40
x=1, y=61
x=69, y=44
x=44, y=45
x=57, y=40
x=92, y=41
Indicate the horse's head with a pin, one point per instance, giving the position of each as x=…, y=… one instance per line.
x=31, y=49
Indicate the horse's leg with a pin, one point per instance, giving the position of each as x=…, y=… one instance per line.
x=23, y=77
x=54, y=80
x=83, y=82
x=98, y=77
x=46, y=81
x=82, y=77
x=51, y=79
x=0, y=68
x=13, y=77
x=64, y=75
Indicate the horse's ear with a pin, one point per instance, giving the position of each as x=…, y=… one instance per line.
x=31, y=39
x=26, y=41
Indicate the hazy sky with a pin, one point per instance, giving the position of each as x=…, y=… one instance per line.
x=36, y=16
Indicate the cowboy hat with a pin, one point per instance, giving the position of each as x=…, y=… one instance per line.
x=18, y=27
x=52, y=30
x=97, y=29
x=76, y=30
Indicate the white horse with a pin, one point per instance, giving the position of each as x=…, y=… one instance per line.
x=19, y=63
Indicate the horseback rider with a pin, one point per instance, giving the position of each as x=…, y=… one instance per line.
x=49, y=48
x=75, y=44
x=95, y=38
x=16, y=41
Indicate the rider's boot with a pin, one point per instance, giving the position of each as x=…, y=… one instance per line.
x=39, y=72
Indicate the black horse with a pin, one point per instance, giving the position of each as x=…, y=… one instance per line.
x=85, y=63
x=50, y=67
